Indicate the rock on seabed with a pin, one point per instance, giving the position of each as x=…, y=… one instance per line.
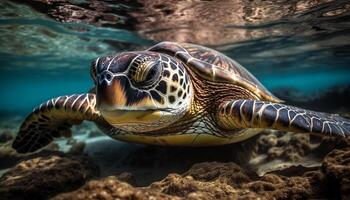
x=216, y=180
x=336, y=167
x=208, y=180
x=68, y=176
x=41, y=177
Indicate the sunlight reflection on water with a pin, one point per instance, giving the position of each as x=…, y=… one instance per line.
x=302, y=45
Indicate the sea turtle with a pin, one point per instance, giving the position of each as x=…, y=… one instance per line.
x=173, y=94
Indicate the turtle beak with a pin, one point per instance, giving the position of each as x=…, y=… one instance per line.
x=123, y=106
x=117, y=93
x=111, y=93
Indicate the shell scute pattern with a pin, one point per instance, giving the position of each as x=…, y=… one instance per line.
x=215, y=66
x=220, y=60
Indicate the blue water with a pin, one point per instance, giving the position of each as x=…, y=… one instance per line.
x=41, y=57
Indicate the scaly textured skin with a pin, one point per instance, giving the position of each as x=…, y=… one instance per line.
x=245, y=113
x=53, y=119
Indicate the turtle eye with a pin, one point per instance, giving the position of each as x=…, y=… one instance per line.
x=146, y=74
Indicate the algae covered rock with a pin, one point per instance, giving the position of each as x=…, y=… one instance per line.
x=229, y=173
x=43, y=176
x=9, y=156
x=111, y=188
x=282, y=145
x=279, y=187
x=208, y=180
x=336, y=167
x=188, y=188
x=247, y=184
x=62, y=174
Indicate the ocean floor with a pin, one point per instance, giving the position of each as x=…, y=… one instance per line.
x=92, y=166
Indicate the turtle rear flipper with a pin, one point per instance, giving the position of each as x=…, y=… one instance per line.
x=259, y=114
x=53, y=119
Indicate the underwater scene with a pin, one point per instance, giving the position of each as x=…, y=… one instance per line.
x=127, y=135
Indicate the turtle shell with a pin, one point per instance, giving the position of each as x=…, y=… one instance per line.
x=215, y=66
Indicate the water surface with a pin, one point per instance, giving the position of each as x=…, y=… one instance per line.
x=46, y=49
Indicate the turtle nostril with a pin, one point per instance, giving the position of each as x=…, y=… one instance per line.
x=105, y=76
x=108, y=77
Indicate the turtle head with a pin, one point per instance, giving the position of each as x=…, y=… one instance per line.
x=141, y=91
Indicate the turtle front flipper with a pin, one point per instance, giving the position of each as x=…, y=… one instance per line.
x=259, y=114
x=54, y=118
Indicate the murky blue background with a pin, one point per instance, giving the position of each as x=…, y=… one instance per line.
x=299, y=47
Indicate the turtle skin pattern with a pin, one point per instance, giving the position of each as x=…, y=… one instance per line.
x=54, y=119
x=253, y=113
